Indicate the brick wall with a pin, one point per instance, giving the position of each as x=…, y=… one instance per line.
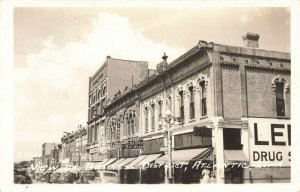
x=261, y=97
x=122, y=73
x=231, y=88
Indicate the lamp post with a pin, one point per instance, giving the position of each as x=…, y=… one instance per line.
x=169, y=120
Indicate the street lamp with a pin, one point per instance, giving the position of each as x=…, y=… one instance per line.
x=169, y=120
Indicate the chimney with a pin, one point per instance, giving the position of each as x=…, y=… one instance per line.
x=251, y=40
x=108, y=57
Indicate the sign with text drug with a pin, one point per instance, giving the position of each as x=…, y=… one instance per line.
x=270, y=141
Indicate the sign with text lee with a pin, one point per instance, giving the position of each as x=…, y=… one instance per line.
x=270, y=141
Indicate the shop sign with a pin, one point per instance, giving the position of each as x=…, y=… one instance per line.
x=270, y=141
x=202, y=131
x=135, y=144
x=94, y=150
x=102, y=143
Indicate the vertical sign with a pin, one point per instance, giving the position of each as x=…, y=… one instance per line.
x=102, y=143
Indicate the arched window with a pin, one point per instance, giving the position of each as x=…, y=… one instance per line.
x=192, y=103
x=159, y=110
x=280, y=87
x=203, y=99
x=152, y=117
x=181, y=105
x=280, y=102
x=133, y=122
x=104, y=91
x=146, y=119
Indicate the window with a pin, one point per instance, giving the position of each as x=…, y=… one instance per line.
x=232, y=139
x=159, y=110
x=96, y=132
x=280, y=103
x=181, y=109
x=133, y=122
x=152, y=117
x=146, y=120
x=203, y=99
x=125, y=125
x=192, y=106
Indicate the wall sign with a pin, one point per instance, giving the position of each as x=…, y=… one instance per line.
x=270, y=142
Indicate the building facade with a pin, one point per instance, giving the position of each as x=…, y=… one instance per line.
x=230, y=108
x=112, y=77
x=46, y=153
x=74, y=147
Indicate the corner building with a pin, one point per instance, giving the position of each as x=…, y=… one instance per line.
x=231, y=107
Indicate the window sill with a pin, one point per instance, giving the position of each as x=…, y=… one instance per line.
x=191, y=120
x=283, y=117
x=203, y=117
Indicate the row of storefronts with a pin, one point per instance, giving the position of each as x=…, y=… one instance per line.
x=217, y=109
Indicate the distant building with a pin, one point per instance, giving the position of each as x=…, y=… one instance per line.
x=46, y=153
x=73, y=150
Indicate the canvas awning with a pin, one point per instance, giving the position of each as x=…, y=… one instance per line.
x=114, y=166
x=125, y=162
x=235, y=156
x=185, y=156
x=108, y=162
x=97, y=165
x=147, y=160
x=135, y=161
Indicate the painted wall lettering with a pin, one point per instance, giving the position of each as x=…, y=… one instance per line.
x=270, y=141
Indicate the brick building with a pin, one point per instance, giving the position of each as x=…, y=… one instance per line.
x=73, y=150
x=46, y=153
x=231, y=106
x=114, y=76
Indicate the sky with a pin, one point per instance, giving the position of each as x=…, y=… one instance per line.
x=56, y=50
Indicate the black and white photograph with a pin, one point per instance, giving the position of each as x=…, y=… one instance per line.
x=151, y=94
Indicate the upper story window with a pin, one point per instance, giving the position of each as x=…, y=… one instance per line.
x=203, y=99
x=146, y=119
x=104, y=91
x=192, y=103
x=153, y=117
x=181, y=105
x=280, y=87
x=159, y=110
x=125, y=124
x=280, y=102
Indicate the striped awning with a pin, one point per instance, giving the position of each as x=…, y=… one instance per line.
x=147, y=160
x=135, y=161
x=186, y=155
x=108, y=162
x=114, y=166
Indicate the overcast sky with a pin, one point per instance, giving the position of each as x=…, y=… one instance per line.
x=57, y=49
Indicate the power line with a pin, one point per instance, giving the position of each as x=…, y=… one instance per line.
x=50, y=61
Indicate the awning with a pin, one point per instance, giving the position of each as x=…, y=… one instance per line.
x=136, y=161
x=114, y=166
x=184, y=156
x=147, y=160
x=235, y=156
x=98, y=165
x=109, y=161
x=205, y=155
x=125, y=162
